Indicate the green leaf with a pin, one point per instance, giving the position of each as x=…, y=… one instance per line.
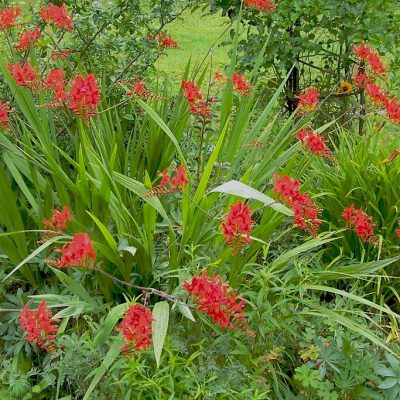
x=98, y=373
x=160, y=327
x=240, y=189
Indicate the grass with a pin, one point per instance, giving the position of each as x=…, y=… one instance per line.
x=196, y=34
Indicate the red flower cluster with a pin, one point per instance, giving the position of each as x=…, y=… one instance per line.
x=191, y=91
x=78, y=253
x=361, y=79
x=28, y=37
x=393, y=110
x=195, y=99
x=361, y=223
x=315, y=142
x=25, y=75
x=57, y=15
x=237, y=226
x=140, y=91
x=55, y=81
x=136, y=328
x=8, y=16
x=240, y=84
x=218, y=300
x=39, y=325
x=59, y=219
x=84, y=96
x=262, y=5
x=305, y=211
x=308, y=100
x=4, y=118
x=166, y=41
x=377, y=93
x=371, y=57
x=169, y=183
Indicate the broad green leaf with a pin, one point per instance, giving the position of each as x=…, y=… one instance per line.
x=160, y=327
x=240, y=189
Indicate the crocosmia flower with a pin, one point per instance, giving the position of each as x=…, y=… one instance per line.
x=308, y=100
x=8, y=17
x=191, y=91
x=39, y=325
x=262, y=5
x=136, y=328
x=362, y=51
x=166, y=41
x=24, y=75
x=84, y=96
x=59, y=219
x=78, y=253
x=4, y=115
x=361, y=223
x=393, y=110
x=55, y=81
x=361, y=78
x=217, y=300
x=27, y=38
x=237, y=226
x=315, y=142
x=306, y=212
x=57, y=15
x=240, y=84
x=170, y=183
x=377, y=93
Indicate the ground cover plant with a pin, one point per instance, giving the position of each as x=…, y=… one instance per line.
x=192, y=241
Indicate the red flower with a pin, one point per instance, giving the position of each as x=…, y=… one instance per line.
x=39, y=325
x=57, y=15
x=306, y=213
x=55, y=80
x=240, y=84
x=237, y=226
x=24, y=76
x=78, y=253
x=136, y=328
x=377, y=93
x=262, y=5
x=362, y=52
x=4, y=118
x=191, y=91
x=315, y=143
x=219, y=77
x=393, y=110
x=376, y=64
x=169, y=183
x=140, y=91
x=8, y=17
x=28, y=37
x=166, y=41
x=202, y=108
x=361, y=78
x=55, y=55
x=308, y=100
x=84, y=96
x=59, y=220
x=288, y=188
x=361, y=222
x=218, y=300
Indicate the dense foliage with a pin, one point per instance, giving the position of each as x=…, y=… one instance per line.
x=198, y=244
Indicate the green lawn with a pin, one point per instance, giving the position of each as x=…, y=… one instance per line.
x=196, y=34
